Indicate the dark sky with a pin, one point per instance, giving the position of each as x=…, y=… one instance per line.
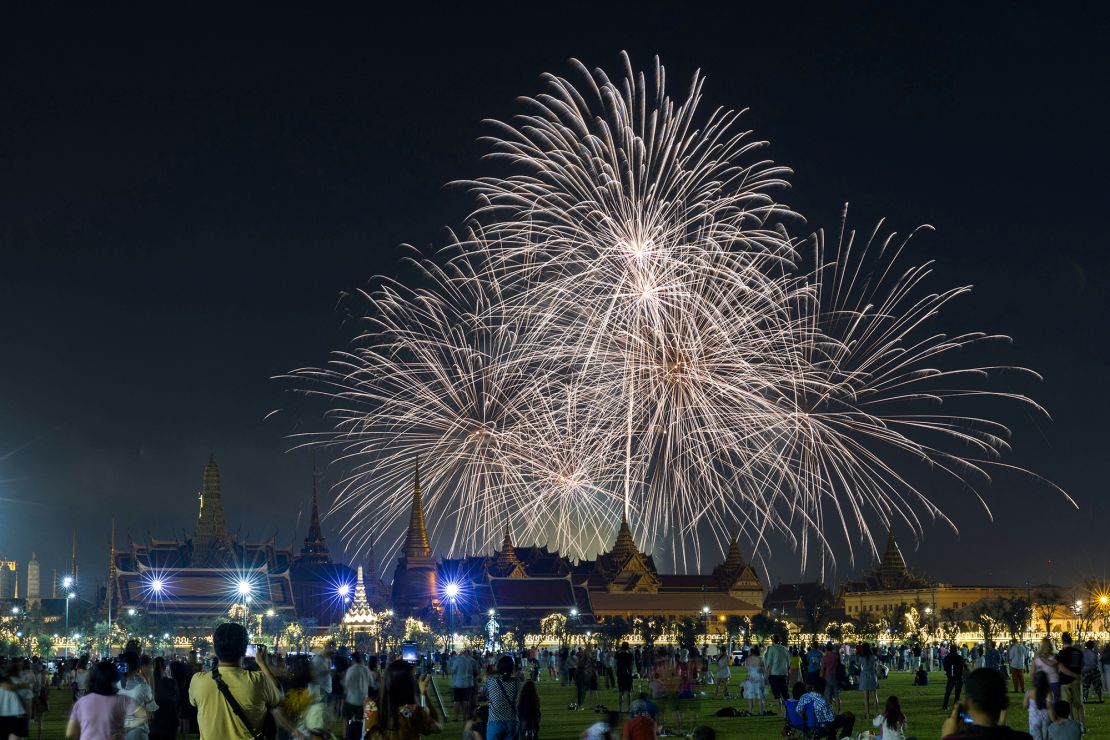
x=183, y=200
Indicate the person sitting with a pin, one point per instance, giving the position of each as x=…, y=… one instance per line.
x=986, y=700
x=794, y=720
x=1063, y=727
x=891, y=723
x=826, y=723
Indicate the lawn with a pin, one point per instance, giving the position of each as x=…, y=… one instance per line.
x=921, y=705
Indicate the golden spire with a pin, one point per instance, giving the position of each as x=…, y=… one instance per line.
x=416, y=540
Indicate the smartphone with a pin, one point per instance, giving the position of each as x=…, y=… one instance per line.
x=965, y=718
x=252, y=650
x=408, y=653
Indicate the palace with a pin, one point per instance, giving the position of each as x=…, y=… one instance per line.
x=892, y=584
x=528, y=583
x=212, y=572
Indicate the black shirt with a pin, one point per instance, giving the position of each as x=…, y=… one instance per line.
x=954, y=665
x=1072, y=659
x=624, y=663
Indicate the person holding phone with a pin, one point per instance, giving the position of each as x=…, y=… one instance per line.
x=254, y=692
x=982, y=714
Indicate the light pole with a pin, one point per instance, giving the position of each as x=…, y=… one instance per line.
x=705, y=619
x=67, y=585
x=451, y=591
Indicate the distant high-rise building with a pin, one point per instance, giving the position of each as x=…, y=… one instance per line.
x=34, y=593
x=9, y=579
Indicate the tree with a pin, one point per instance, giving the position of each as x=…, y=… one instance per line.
x=866, y=627
x=687, y=631
x=649, y=629
x=1015, y=615
x=737, y=627
x=614, y=629
x=816, y=603
x=987, y=615
x=951, y=623
x=554, y=626
x=764, y=626
x=1047, y=601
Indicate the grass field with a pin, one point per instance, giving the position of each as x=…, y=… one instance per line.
x=921, y=705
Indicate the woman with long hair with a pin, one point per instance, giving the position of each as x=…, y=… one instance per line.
x=102, y=711
x=891, y=722
x=399, y=716
x=1038, y=702
x=868, y=677
x=1045, y=660
x=753, y=685
x=164, y=724
x=528, y=712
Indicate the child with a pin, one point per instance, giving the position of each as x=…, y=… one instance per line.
x=1063, y=727
x=891, y=722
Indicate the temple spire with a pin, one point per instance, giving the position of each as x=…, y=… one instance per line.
x=416, y=539
x=315, y=546
x=507, y=563
x=893, y=563
x=211, y=532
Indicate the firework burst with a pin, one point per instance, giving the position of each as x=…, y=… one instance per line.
x=627, y=329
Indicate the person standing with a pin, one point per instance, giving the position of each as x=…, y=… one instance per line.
x=356, y=687
x=830, y=665
x=528, y=712
x=624, y=660
x=723, y=675
x=813, y=664
x=102, y=711
x=1045, y=661
x=399, y=715
x=777, y=662
x=1016, y=654
x=464, y=675
x=164, y=723
x=1038, y=703
x=134, y=686
x=255, y=692
x=502, y=691
x=753, y=685
x=868, y=678
x=954, y=667
x=1069, y=661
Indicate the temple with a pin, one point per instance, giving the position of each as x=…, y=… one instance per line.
x=526, y=583
x=209, y=573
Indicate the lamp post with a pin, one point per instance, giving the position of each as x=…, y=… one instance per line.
x=705, y=621
x=67, y=585
x=451, y=591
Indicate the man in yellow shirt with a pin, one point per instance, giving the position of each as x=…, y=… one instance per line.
x=255, y=691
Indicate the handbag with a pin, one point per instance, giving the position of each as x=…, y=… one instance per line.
x=268, y=731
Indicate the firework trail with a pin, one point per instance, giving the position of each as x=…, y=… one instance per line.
x=628, y=329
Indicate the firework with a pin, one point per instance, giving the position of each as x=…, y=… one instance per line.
x=628, y=329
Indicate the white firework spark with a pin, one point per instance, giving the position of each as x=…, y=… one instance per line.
x=628, y=329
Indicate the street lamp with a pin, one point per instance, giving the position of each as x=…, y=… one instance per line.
x=451, y=591
x=68, y=583
x=705, y=619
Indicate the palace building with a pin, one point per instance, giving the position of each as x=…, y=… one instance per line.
x=208, y=574
x=529, y=582
x=892, y=584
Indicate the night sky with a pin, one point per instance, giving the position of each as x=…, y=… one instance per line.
x=185, y=200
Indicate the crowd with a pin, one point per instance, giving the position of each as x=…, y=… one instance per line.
x=243, y=692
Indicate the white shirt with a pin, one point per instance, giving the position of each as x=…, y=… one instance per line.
x=356, y=684
x=1017, y=654
x=889, y=733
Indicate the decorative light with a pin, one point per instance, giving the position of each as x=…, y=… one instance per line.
x=15, y=610
x=270, y=612
x=451, y=590
x=705, y=609
x=1103, y=599
x=492, y=612
x=131, y=612
x=573, y=612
